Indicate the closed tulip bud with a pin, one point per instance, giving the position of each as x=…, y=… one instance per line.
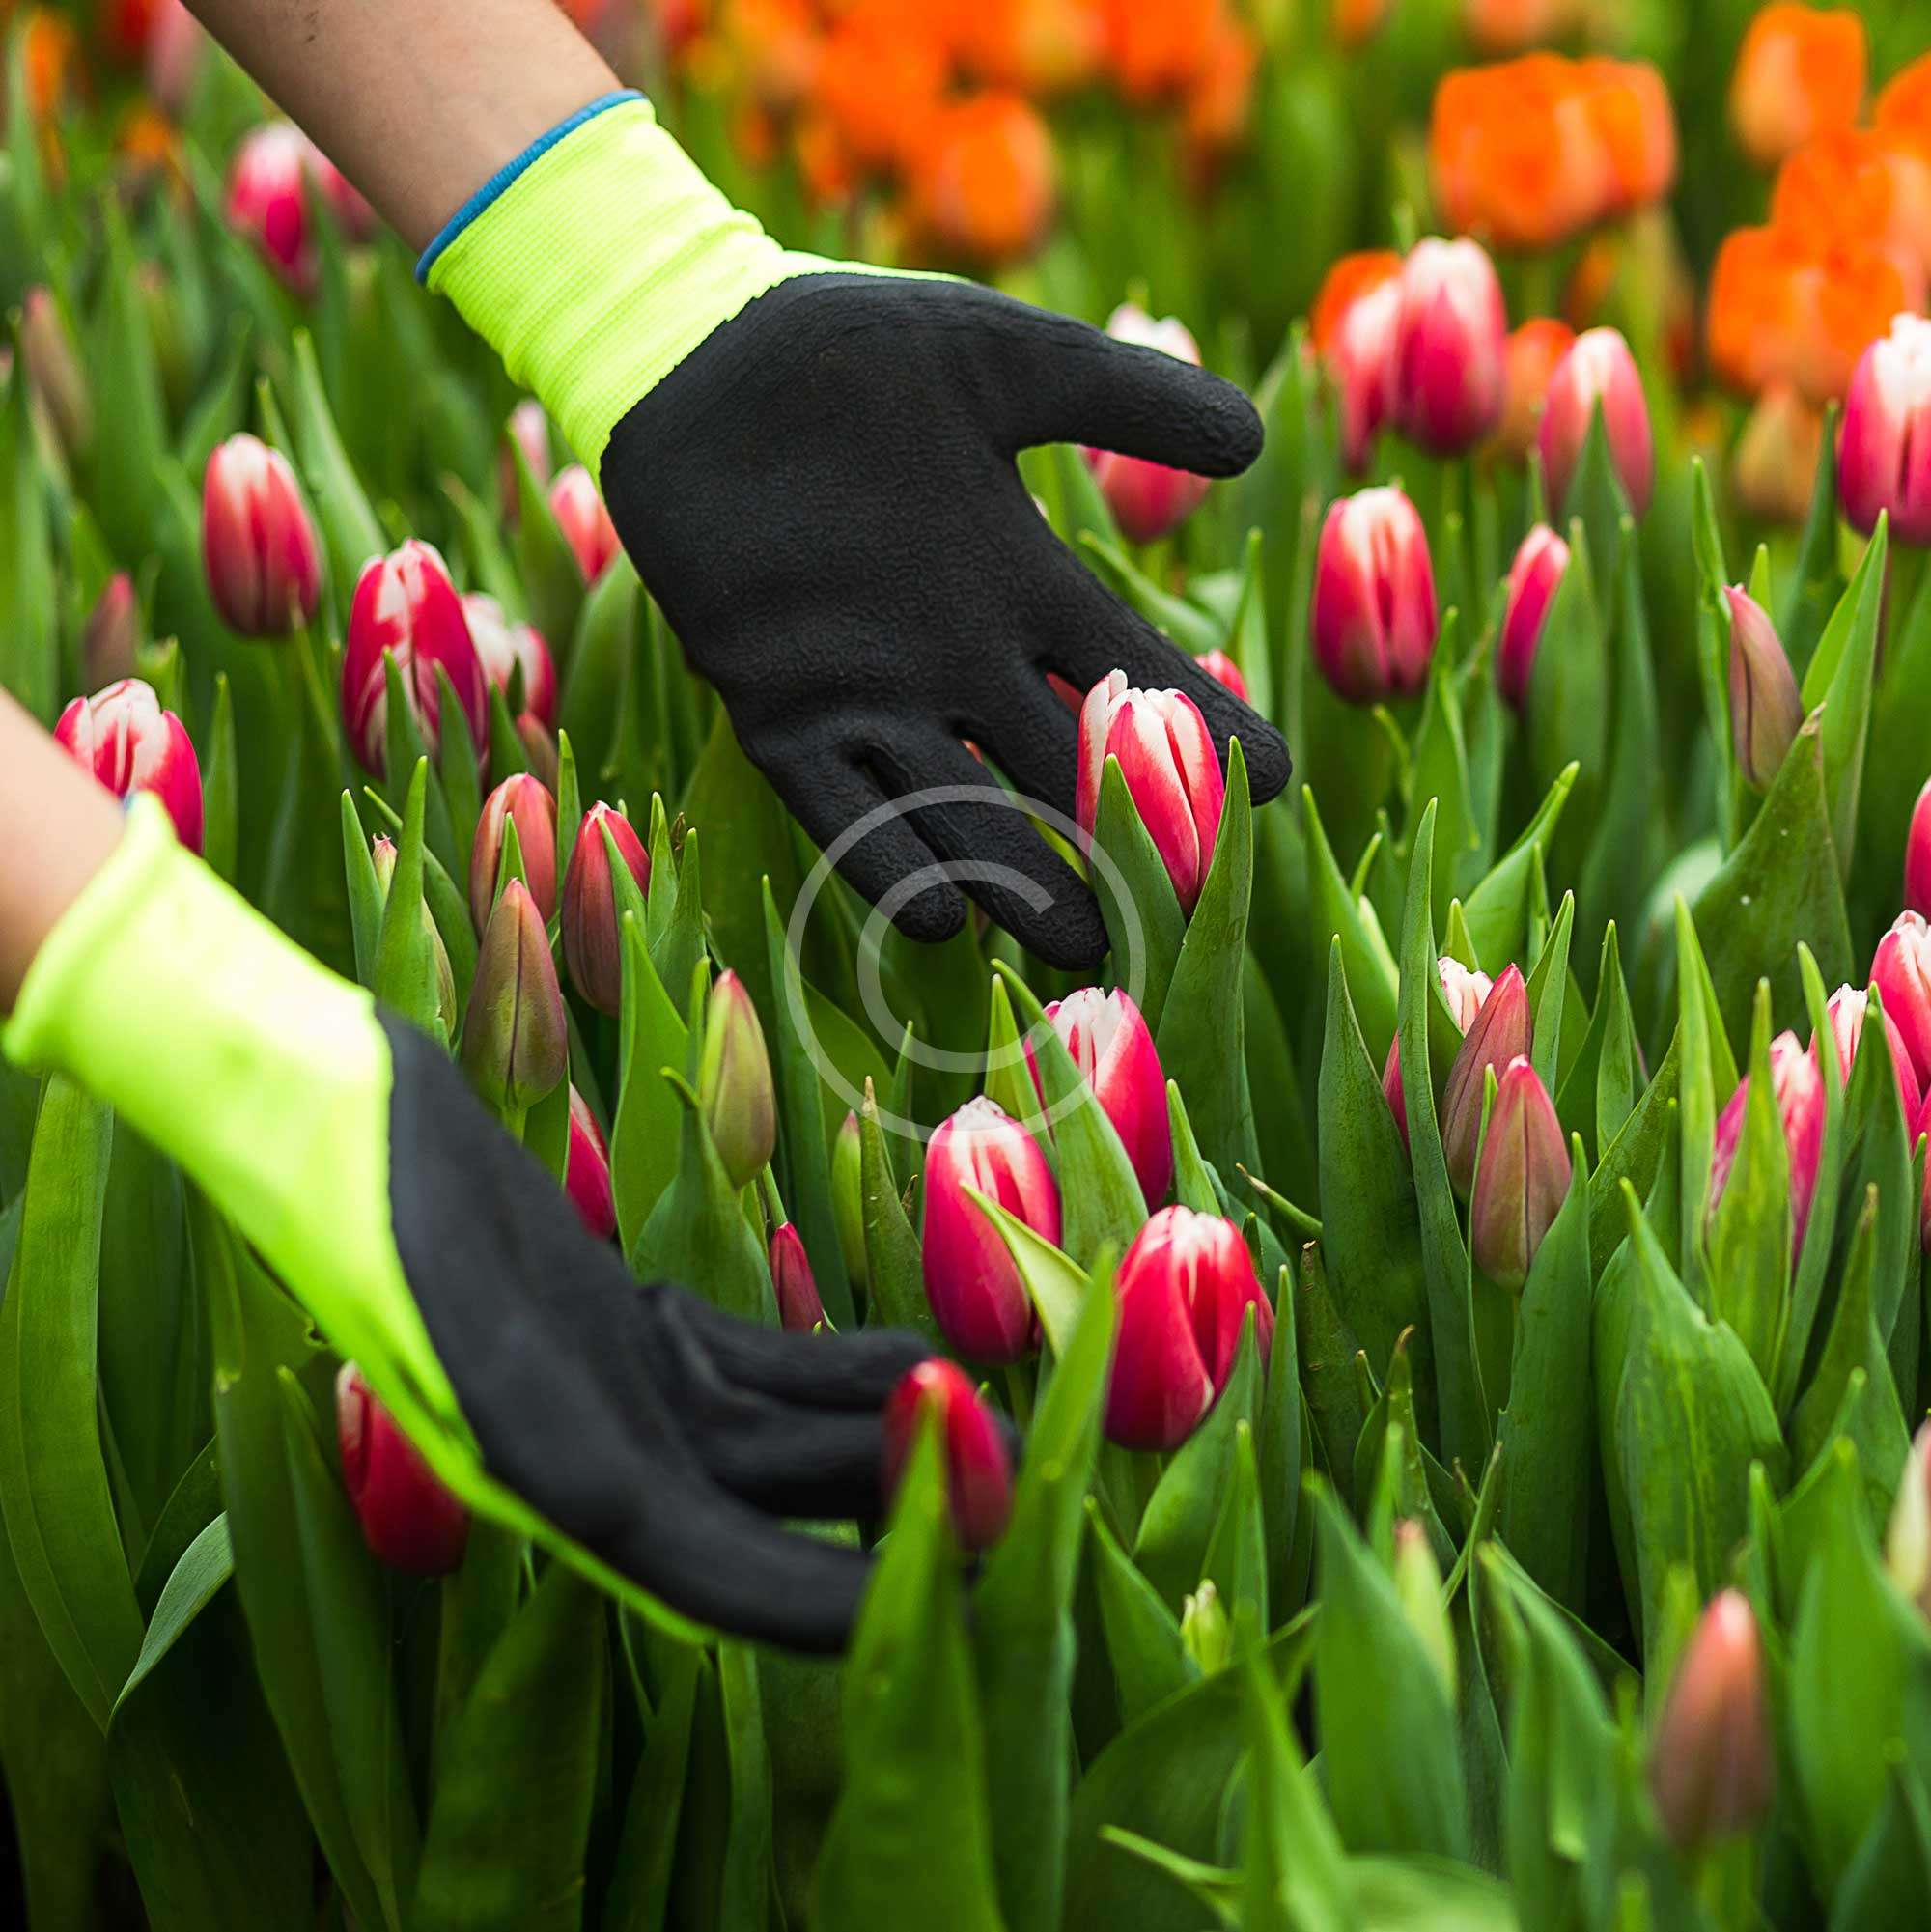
x=1502, y=1030
x=1776, y=465
x=404, y=604
x=592, y=939
x=410, y=1521
x=516, y=1041
x=1535, y=351
x=1917, y=855
x=847, y=1199
x=1533, y=580
x=1360, y=364
x=538, y=748
x=1901, y=972
x=1907, y=1543
x=1222, y=669
x=528, y=429
x=1374, y=619
x=1206, y=1633
x=1524, y=1177
x=1184, y=1287
x=586, y=1170
x=383, y=855
x=506, y=645
x=1417, y=1583
x=734, y=1082
x=525, y=802
x=268, y=201
x=109, y=643
x=54, y=369
x=1108, y=1038
x=1148, y=499
x=258, y=544
x=1712, y=1762
x=1766, y=711
x=1599, y=368
x=800, y=1310
x=978, y=1470
x=1883, y=452
x=123, y=737
x=584, y=521
x=1800, y=1104
x=1172, y=774
x=977, y=1296
x=1464, y=989
x=1849, y=1009
x=1452, y=347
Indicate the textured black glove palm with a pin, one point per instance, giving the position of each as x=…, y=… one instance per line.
x=824, y=500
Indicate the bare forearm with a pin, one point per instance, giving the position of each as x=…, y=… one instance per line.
x=417, y=101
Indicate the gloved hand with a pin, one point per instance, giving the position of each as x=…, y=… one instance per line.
x=812, y=466
x=645, y=1437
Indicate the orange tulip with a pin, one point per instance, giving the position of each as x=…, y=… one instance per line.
x=1533, y=352
x=1036, y=47
x=1357, y=21
x=985, y=180
x=1629, y=108
x=1351, y=277
x=776, y=43
x=881, y=81
x=1508, y=26
x=1856, y=183
x=1903, y=110
x=1800, y=73
x=1215, y=110
x=1157, y=46
x=50, y=53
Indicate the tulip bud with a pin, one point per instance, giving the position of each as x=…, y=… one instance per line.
x=1800, y=1102
x=733, y=1082
x=408, y=1519
x=1465, y=990
x=1148, y=499
x=1524, y=1177
x=1533, y=580
x=526, y=803
x=382, y=856
x=1534, y=353
x=1711, y=1765
x=1901, y=972
x=1222, y=669
x=515, y=1042
x=1776, y=465
x=1451, y=349
x=1374, y=619
x=1598, y=369
x=1108, y=1038
x=584, y=521
x=847, y=1199
x=268, y=201
x=978, y=1471
x=1799, y=72
x=405, y=605
x=1883, y=452
x=1173, y=773
x=799, y=1309
x=540, y=748
x=974, y=1284
x=1184, y=1287
x=1766, y=711
x=1917, y=855
x=1206, y=1633
x=503, y=644
x=586, y=1170
x=1907, y=1543
x=54, y=369
x=1502, y=1030
x=1417, y=1584
x=123, y=737
x=1848, y=1010
x=592, y=939
x=177, y=46
x=112, y=638
x=528, y=428
x=1360, y=363
x=258, y=545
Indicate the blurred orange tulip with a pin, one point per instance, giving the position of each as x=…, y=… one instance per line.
x=1036, y=47
x=1903, y=110
x=1220, y=98
x=1157, y=46
x=1800, y=73
x=984, y=180
x=1533, y=350
x=1508, y=26
x=1351, y=278
x=1860, y=184
x=1629, y=107
x=777, y=44
x=1357, y=21
x=881, y=80
x=50, y=56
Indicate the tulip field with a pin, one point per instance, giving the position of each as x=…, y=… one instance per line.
x=1425, y=1423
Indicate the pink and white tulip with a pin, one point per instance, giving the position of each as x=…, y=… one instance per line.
x=1800, y=1102
x=1148, y=500
x=258, y=544
x=1451, y=348
x=1374, y=621
x=1884, y=454
x=1533, y=580
x=123, y=737
x=1599, y=368
x=1108, y=1038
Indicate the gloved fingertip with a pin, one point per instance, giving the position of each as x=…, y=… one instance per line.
x=932, y=916
x=1269, y=764
x=1071, y=936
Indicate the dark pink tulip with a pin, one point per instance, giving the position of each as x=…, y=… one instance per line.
x=1502, y=1030
x=1533, y=580
x=592, y=940
x=408, y=1519
x=1712, y=1763
x=1849, y=1009
x=1374, y=618
x=971, y=1281
x=1222, y=669
x=1917, y=855
x=527, y=803
x=1884, y=455
x=1148, y=499
x=1766, y=711
x=258, y=544
x=1598, y=368
x=123, y=737
x=1800, y=1102
x=1451, y=351
x=1172, y=774
x=1901, y=972
x=586, y=1170
x=1108, y=1038
x=504, y=643
x=1524, y=1177
x=584, y=521
x=268, y=201
x=1184, y=1287
x=1360, y=363
x=1464, y=989
x=978, y=1471
x=799, y=1309
x=405, y=605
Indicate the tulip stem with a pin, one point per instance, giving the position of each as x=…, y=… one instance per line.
x=301, y=643
x=1020, y=1394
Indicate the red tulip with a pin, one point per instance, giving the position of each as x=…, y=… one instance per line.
x=1451, y=351
x=1917, y=855
x=1533, y=580
x=1522, y=1180
x=1464, y=989
x=123, y=737
x=1901, y=972
x=1374, y=619
x=1222, y=669
x=584, y=521
x=1502, y=1030
x=1713, y=1763
x=1184, y=1287
x=1799, y=1102
x=504, y=643
x=405, y=605
x=592, y=940
x=1884, y=454
x=978, y=1471
x=971, y=1281
x=1598, y=369
x=408, y=1519
x=586, y=1170
x=1110, y=1045
x=1849, y=1008
x=799, y=1309
x=258, y=544
x=1766, y=711
x=526, y=803
x=1148, y=499
x=1173, y=773
x=1360, y=364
